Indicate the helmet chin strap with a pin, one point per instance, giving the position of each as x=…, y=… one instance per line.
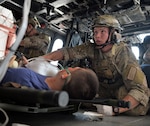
x=103, y=45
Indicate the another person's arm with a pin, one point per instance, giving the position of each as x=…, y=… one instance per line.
x=56, y=55
x=133, y=103
x=134, y=80
x=78, y=52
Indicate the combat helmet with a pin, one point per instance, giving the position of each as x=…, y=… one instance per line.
x=107, y=21
x=34, y=22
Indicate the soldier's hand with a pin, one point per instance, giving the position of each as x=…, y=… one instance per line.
x=23, y=61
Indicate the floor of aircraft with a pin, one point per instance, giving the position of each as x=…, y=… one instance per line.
x=76, y=119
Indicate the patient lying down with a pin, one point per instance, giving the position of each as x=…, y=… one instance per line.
x=80, y=83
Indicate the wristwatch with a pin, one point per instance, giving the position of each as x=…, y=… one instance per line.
x=115, y=110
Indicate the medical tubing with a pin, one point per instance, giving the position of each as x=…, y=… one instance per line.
x=6, y=116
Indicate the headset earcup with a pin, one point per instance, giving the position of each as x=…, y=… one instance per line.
x=114, y=37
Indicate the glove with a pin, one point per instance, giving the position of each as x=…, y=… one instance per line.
x=13, y=63
x=104, y=109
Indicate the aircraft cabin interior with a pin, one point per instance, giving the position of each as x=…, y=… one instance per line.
x=67, y=23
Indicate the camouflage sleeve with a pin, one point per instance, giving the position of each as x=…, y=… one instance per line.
x=26, y=42
x=133, y=77
x=78, y=52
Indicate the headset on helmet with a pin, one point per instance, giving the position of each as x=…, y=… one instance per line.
x=32, y=20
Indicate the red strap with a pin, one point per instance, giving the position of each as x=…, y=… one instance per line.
x=13, y=30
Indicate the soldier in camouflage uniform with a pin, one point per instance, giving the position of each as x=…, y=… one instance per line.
x=34, y=43
x=120, y=76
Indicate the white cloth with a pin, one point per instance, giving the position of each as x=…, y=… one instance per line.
x=42, y=66
x=104, y=109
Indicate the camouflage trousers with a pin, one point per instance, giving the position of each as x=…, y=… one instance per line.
x=120, y=94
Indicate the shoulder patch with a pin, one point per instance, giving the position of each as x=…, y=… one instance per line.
x=132, y=73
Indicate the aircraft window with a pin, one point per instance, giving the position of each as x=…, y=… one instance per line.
x=135, y=50
x=58, y=43
x=142, y=36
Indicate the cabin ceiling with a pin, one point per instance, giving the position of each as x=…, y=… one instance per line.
x=133, y=15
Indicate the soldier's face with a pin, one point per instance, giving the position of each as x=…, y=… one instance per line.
x=30, y=30
x=101, y=35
